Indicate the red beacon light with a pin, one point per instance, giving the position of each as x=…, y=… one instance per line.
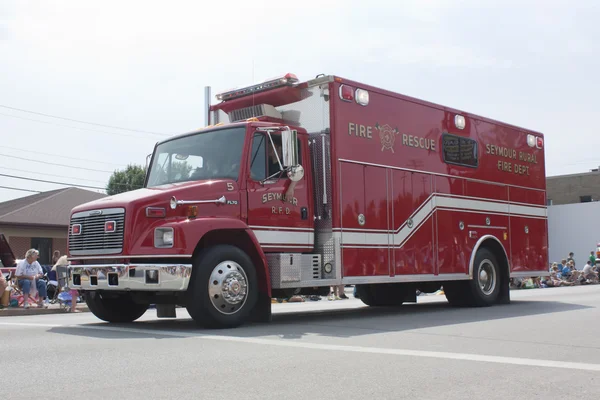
x=286, y=80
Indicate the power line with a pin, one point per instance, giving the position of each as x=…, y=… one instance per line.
x=64, y=183
x=61, y=176
x=62, y=156
x=24, y=190
x=59, y=165
x=53, y=182
x=83, y=122
x=73, y=127
x=55, y=176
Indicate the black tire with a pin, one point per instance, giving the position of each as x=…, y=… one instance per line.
x=120, y=308
x=381, y=295
x=480, y=297
x=204, y=298
x=475, y=292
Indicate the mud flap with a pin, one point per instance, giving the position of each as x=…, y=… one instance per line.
x=262, y=309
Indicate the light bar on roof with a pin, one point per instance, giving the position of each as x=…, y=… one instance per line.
x=286, y=80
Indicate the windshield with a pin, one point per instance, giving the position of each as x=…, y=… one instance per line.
x=203, y=156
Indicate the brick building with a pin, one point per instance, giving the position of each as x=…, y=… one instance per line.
x=41, y=221
x=574, y=188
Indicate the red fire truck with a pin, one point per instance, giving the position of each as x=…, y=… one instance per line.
x=295, y=187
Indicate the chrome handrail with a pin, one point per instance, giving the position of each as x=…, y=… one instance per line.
x=174, y=202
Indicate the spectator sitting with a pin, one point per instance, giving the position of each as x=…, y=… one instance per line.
x=565, y=270
x=29, y=272
x=556, y=271
x=555, y=281
x=3, y=287
x=571, y=259
x=589, y=273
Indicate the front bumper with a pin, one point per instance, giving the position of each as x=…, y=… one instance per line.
x=143, y=277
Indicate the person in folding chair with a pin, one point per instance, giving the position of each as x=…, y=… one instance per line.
x=57, y=278
x=29, y=273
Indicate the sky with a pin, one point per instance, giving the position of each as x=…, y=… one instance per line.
x=143, y=66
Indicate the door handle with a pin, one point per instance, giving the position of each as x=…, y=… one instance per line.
x=304, y=213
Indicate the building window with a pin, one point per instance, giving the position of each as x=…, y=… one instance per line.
x=585, y=199
x=44, y=246
x=460, y=151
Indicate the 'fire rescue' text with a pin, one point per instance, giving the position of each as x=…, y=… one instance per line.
x=387, y=136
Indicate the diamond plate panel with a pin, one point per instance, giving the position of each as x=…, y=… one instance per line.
x=291, y=270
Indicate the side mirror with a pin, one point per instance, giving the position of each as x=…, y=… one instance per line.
x=147, y=162
x=289, y=144
x=289, y=141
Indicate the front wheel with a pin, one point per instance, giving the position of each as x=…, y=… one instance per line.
x=114, y=308
x=223, y=288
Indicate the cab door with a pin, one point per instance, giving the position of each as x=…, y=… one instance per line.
x=279, y=211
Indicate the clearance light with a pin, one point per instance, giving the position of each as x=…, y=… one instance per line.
x=362, y=97
x=110, y=226
x=76, y=229
x=346, y=93
x=286, y=80
x=192, y=211
x=539, y=143
x=459, y=121
x=155, y=212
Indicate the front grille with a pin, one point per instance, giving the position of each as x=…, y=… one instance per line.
x=93, y=239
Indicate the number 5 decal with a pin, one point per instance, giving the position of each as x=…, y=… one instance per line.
x=230, y=186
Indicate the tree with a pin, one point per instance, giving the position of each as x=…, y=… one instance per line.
x=129, y=179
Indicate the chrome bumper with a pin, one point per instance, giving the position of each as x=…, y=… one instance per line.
x=147, y=277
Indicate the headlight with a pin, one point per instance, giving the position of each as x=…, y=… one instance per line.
x=163, y=237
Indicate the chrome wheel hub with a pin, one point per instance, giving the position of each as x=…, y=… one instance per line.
x=487, y=277
x=228, y=287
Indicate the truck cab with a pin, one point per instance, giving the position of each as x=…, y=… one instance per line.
x=210, y=202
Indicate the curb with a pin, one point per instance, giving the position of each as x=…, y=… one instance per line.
x=19, y=312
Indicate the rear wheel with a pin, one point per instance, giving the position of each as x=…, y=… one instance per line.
x=114, y=308
x=485, y=285
x=481, y=291
x=223, y=289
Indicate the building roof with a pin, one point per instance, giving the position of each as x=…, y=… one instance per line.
x=587, y=173
x=51, y=208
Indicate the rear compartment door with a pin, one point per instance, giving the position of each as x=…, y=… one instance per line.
x=366, y=219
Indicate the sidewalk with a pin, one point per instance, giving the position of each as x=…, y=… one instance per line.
x=33, y=310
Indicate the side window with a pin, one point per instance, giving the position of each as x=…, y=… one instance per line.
x=263, y=162
x=258, y=160
x=460, y=150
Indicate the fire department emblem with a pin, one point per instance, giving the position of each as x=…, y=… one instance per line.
x=387, y=136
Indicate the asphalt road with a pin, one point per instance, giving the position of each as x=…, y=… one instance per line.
x=545, y=345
